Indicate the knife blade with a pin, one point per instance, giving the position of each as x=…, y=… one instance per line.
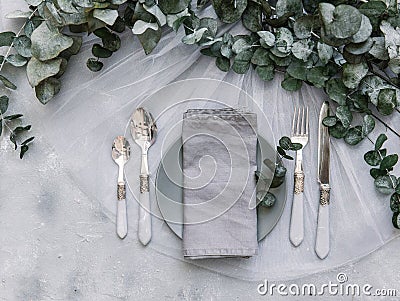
x=322, y=242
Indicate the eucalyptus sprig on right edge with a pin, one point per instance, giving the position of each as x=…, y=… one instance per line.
x=386, y=183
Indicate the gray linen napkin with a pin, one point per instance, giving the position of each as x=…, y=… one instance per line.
x=219, y=160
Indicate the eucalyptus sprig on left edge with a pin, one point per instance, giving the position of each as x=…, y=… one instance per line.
x=285, y=145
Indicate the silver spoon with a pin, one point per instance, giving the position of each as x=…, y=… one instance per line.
x=121, y=151
x=144, y=132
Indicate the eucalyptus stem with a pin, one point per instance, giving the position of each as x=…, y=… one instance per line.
x=386, y=125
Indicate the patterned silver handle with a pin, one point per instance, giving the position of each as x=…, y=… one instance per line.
x=322, y=242
x=296, y=231
x=122, y=223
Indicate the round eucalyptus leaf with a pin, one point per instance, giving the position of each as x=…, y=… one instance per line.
x=325, y=52
x=392, y=38
x=346, y=21
x=281, y=61
x=368, y=124
x=302, y=49
x=261, y=57
x=378, y=49
x=385, y=184
x=317, y=76
x=376, y=172
x=16, y=60
x=289, y=6
x=240, y=45
x=338, y=130
x=227, y=11
x=284, y=40
x=298, y=69
x=108, y=16
x=387, y=101
x=265, y=72
x=326, y=12
x=251, y=17
x=18, y=14
x=395, y=201
x=94, y=65
x=359, y=48
x=267, y=39
x=372, y=158
x=285, y=143
x=354, y=135
x=280, y=171
x=291, y=84
x=353, y=74
x=100, y=52
x=226, y=51
x=304, y=25
x=22, y=45
x=380, y=140
x=241, y=63
x=6, y=38
x=48, y=42
x=373, y=10
x=371, y=85
x=47, y=89
x=336, y=90
x=37, y=71
x=394, y=64
x=364, y=32
x=223, y=63
x=149, y=39
x=389, y=161
x=173, y=6
x=344, y=115
x=329, y=121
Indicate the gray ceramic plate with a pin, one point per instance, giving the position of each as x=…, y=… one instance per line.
x=169, y=192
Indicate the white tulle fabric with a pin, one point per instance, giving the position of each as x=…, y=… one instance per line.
x=92, y=109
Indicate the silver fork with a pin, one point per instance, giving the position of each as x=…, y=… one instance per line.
x=299, y=135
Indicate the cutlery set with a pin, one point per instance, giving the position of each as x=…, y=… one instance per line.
x=144, y=133
x=300, y=129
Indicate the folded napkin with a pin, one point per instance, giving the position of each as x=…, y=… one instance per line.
x=219, y=161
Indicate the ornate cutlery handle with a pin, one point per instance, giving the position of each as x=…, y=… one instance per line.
x=122, y=224
x=296, y=232
x=144, y=231
x=322, y=244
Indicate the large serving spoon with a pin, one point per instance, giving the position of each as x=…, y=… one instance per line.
x=121, y=151
x=144, y=132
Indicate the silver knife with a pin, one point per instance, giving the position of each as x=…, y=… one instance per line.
x=144, y=132
x=322, y=242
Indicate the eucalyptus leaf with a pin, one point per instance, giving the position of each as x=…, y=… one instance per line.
x=100, y=52
x=336, y=90
x=387, y=101
x=223, y=63
x=395, y=200
x=354, y=135
x=229, y=11
x=338, y=130
x=16, y=60
x=157, y=12
x=344, y=21
x=261, y=57
x=325, y=52
x=173, y=6
x=364, y=32
x=284, y=40
x=344, y=115
x=265, y=72
x=140, y=27
x=317, y=76
x=304, y=26
x=373, y=10
x=38, y=71
x=6, y=38
x=389, y=161
x=291, y=84
x=94, y=65
x=240, y=45
x=267, y=39
x=149, y=39
x=372, y=158
x=298, y=69
x=329, y=121
x=359, y=48
x=289, y=6
x=18, y=14
x=385, y=184
x=108, y=16
x=47, y=89
x=7, y=83
x=241, y=63
x=380, y=140
x=268, y=200
x=48, y=43
x=392, y=38
x=353, y=74
x=302, y=49
x=251, y=17
x=371, y=85
x=368, y=124
x=378, y=49
x=3, y=104
x=22, y=45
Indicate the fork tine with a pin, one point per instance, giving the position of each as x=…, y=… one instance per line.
x=307, y=122
x=298, y=122
x=294, y=120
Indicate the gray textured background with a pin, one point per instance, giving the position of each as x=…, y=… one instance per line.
x=57, y=244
